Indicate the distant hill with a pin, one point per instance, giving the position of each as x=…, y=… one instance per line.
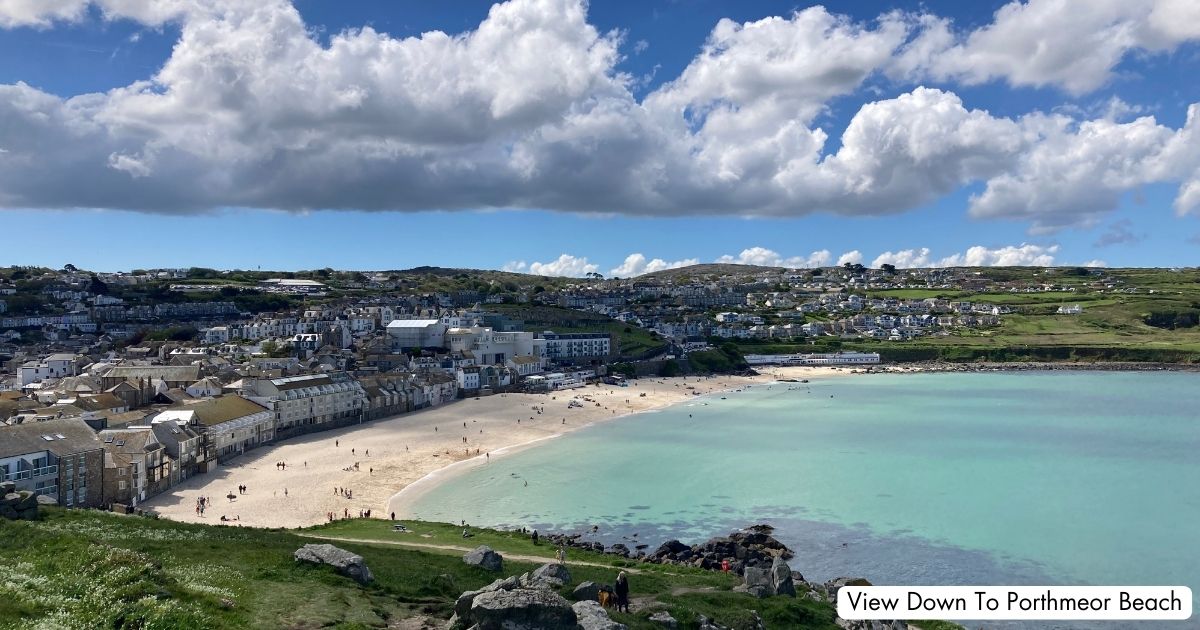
x=708, y=269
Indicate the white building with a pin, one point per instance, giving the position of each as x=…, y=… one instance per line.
x=53, y=366
x=309, y=403
x=577, y=346
x=417, y=333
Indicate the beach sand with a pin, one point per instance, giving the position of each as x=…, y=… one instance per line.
x=395, y=452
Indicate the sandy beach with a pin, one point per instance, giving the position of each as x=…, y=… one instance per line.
x=395, y=452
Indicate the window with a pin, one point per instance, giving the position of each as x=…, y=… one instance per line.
x=121, y=485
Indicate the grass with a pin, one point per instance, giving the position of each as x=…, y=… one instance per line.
x=83, y=569
x=632, y=341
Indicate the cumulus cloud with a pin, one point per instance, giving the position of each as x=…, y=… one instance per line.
x=852, y=257
x=1023, y=255
x=565, y=265
x=636, y=265
x=529, y=110
x=764, y=257
x=1095, y=263
x=1049, y=42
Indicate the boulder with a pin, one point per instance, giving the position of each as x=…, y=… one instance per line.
x=664, y=619
x=591, y=615
x=7, y=487
x=46, y=500
x=551, y=575
x=349, y=564
x=462, y=605
x=757, y=582
x=709, y=624
x=483, y=556
x=781, y=578
x=619, y=549
x=670, y=548
x=833, y=586
x=587, y=591
x=523, y=608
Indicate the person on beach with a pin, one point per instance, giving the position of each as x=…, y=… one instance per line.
x=622, y=589
x=535, y=537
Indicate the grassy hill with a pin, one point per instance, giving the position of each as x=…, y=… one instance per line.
x=632, y=341
x=82, y=569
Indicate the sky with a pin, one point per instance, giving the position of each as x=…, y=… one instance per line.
x=562, y=138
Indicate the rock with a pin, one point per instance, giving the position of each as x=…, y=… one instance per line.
x=483, y=556
x=709, y=624
x=781, y=578
x=46, y=500
x=522, y=608
x=553, y=574
x=757, y=583
x=349, y=564
x=833, y=586
x=670, y=548
x=463, y=604
x=664, y=619
x=7, y=487
x=591, y=615
x=587, y=591
x=619, y=549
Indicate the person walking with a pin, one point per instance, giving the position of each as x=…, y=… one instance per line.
x=622, y=590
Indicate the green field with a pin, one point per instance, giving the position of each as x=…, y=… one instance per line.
x=83, y=569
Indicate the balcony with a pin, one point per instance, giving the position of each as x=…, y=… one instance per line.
x=45, y=470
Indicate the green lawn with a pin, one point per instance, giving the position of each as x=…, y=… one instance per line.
x=82, y=569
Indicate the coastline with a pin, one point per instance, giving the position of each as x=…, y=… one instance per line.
x=420, y=449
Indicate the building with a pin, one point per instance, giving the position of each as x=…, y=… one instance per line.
x=303, y=404
x=231, y=425
x=53, y=366
x=417, y=333
x=836, y=358
x=62, y=459
x=577, y=347
x=171, y=376
x=136, y=465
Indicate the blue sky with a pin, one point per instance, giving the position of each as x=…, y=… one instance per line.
x=157, y=136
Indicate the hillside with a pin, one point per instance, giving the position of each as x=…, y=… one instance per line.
x=78, y=569
x=704, y=271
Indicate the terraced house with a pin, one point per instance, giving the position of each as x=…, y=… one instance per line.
x=62, y=459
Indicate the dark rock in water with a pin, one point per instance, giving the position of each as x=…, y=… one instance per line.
x=483, y=556
x=346, y=563
x=670, y=548
x=587, y=591
x=592, y=616
x=619, y=549
x=664, y=619
x=552, y=575
x=524, y=608
x=781, y=578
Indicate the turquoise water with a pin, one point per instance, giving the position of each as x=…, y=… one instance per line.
x=998, y=478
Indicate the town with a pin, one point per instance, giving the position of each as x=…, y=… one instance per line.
x=117, y=386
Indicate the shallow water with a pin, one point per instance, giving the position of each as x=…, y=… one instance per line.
x=1009, y=478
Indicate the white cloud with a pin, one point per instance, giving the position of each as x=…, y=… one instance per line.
x=529, y=110
x=636, y=265
x=853, y=257
x=515, y=266
x=565, y=265
x=1023, y=255
x=1095, y=263
x=764, y=257
x=1050, y=42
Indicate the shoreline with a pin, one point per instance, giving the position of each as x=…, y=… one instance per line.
x=418, y=448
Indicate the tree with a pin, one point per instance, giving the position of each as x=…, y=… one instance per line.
x=69, y=268
x=97, y=286
x=888, y=268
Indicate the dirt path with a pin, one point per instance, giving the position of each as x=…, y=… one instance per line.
x=509, y=556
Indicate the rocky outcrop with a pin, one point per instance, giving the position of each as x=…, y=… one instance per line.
x=588, y=591
x=552, y=575
x=19, y=505
x=348, y=564
x=591, y=615
x=757, y=582
x=523, y=608
x=664, y=619
x=483, y=556
x=781, y=578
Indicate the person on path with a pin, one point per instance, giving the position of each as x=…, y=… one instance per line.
x=561, y=554
x=622, y=589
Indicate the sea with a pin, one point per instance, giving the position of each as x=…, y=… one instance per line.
x=1010, y=478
